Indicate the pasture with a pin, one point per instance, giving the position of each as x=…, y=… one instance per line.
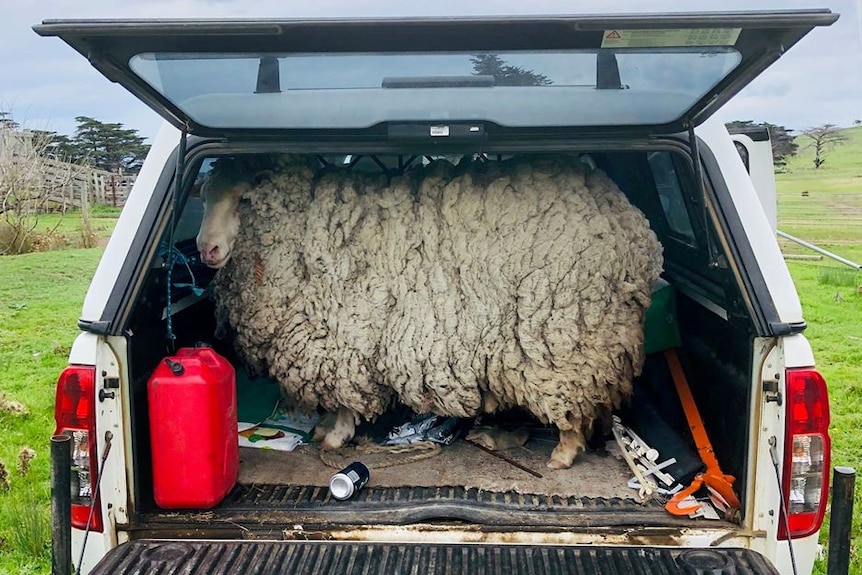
x=830, y=215
x=40, y=299
x=824, y=206
x=41, y=296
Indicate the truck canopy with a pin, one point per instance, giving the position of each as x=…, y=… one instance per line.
x=651, y=73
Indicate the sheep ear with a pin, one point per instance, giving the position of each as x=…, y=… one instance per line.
x=262, y=176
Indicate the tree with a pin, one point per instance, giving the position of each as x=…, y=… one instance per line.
x=59, y=147
x=7, y=122
x=29, y=183
x=783, y=142
x=108, y=146
x=823, y=138
x=504, y=74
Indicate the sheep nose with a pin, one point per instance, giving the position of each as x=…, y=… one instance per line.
x=211, y=253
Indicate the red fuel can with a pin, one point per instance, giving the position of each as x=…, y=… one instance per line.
x=193, y=429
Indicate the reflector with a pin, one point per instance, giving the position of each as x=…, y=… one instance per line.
x=75, y=415
x=806, y=453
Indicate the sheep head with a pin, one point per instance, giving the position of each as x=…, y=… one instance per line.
x=220, y=224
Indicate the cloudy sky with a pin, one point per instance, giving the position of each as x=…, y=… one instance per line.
x=45, y=84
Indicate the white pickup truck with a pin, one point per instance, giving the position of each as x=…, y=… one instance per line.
x=634, y=96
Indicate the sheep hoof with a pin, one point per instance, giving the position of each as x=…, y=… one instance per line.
x=322, y=429
x=319, y=433
x=563, y=458
x=571, y=444
x=555, y=463
x=331, y=444
x=341, y=430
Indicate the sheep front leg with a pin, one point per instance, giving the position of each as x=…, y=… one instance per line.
x=342, y=430
x=323, y=427
x=572, y=442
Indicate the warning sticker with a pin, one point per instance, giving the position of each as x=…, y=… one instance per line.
x=670, y=38
x=440, y=131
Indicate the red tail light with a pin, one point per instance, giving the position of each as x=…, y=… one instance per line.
x=75, y=414
x=806, y=453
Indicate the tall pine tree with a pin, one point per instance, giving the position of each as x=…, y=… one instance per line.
x=109, y=146
x=58, y=146
x=505, y=74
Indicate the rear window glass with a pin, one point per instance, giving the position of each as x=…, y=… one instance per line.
x=622, y=86
x=671, y=198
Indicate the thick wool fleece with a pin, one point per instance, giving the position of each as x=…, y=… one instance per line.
x=456, y=290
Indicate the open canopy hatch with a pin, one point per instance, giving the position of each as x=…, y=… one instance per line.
x=645, y=74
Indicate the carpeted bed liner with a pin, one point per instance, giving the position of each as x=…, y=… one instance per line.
x=594, y=474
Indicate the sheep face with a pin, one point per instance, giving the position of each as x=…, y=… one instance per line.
x=220, y=224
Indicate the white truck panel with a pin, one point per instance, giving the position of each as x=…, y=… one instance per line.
x=754, y=219
x=127, y=225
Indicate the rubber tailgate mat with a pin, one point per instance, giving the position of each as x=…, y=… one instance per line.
x=254, y=506
x=344, y=558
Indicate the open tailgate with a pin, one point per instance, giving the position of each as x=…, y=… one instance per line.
x=349, y=558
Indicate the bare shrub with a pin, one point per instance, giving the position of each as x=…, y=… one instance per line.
x=9, y=238
x=4, y=478
x=30, y=183
x=48, y=241
x=12, y=407
x=88, y=237
x=25, y=456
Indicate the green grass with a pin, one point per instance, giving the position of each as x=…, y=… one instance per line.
x=70, y=223
x=830, y=215
x=834, y=316
x=40, y=301
x=59, y=231
x=841, y=277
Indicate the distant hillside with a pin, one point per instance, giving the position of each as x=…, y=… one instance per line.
x=824, y=206
x=845, y=156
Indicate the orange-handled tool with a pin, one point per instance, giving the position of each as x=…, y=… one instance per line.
x=712, y=477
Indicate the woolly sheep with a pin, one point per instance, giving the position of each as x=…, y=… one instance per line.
x=454, y=290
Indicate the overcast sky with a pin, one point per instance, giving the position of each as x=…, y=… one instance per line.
x=45, y=84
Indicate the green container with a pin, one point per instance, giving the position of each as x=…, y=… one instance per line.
x=661, y=330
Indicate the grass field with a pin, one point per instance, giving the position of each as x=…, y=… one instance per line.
x=834, y=317
x=40, y=299
x=102, y=219
x=41, y=296
x=830, y=215
x=60, y=231
x=831, y=212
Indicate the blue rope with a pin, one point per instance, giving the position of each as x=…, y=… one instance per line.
x=175, y=256
x=168, y=313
